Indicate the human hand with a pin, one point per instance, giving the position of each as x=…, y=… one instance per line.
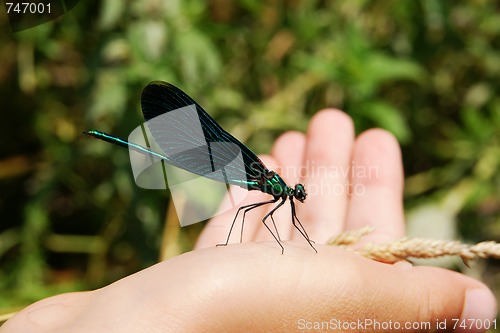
x=252, y=287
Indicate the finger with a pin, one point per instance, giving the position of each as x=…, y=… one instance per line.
x=329, y=142
x=377, y=186
x=219, y=228
x=288, y=150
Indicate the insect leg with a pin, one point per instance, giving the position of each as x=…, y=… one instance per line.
x=275, y=229
x=301, y=229
x=245, y=209
x=271, y=215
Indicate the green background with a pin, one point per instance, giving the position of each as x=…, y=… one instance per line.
x=71, y=217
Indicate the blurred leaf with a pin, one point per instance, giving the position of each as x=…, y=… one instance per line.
x=111, y=12
x=478, y=95
x=382, y=68
x=109, y=96
x=476, y=124
x=387, y=117
x=200, y=60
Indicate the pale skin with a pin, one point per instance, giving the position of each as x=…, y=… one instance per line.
x=253, y=287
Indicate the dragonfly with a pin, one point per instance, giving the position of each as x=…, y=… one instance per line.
x=161, y=98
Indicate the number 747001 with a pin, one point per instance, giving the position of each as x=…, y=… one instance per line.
x=27, y=7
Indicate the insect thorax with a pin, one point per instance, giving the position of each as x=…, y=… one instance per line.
x=275, y=186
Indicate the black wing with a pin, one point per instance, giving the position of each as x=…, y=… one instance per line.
x=174, y=120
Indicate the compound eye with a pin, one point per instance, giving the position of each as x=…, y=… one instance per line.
x=300, y=192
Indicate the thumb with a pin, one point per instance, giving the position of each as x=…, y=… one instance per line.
x=401, y=297
x=447, y=300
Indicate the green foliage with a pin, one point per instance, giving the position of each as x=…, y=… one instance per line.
x=427, y=71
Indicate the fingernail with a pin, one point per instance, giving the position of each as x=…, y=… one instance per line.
x=480, y=309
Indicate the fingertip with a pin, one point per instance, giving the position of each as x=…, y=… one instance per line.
x=380, y=148
x=289, y=151
x=330, y=136
x=480, y=307
x=456, y=301
x=384, y=138
x=289, y=142
x=331, y=118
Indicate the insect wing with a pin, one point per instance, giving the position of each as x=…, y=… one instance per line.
x=160, y=98
x=181, y=154
x=178, y=139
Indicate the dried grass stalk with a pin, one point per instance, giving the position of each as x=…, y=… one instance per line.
x=351, y=236
x=406, y=248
